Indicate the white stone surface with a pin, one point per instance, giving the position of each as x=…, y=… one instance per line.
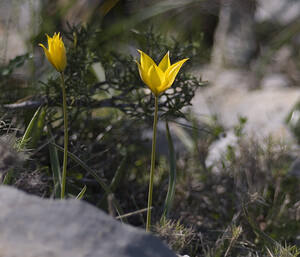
x=282, y=11
x=218, y=149
x=228, y=97
x=275, y=81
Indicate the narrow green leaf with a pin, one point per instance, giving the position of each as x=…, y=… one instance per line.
x=270, y=253
x=81, y=193
x=118, y=176
x=55, y=166
x=97, y=177
x=87, y=168
x=172, y=177
x=184, y=137
x=267, y=239
x=29, y=130
x=34, y=130
x=115, y=181
x=38, y=130
x=9, y=178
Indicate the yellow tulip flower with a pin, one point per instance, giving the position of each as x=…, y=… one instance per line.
x=158, y=78
x=56, y=55
x=56, y=52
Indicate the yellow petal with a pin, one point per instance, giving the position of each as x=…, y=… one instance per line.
x=165, y=62
x=146, y=61
x=64, y=57
x=60, y=55
x=157, y=78
x=47, y=53
x=45, y=49
x=171, y=74
x=173, y=70
x=56, y=36
x=56, y=52
x=144, y=76
x=49, y=39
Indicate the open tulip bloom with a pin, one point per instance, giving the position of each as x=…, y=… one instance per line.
x=158, y=79
x=56, y=55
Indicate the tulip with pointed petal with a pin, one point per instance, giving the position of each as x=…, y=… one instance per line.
x=56, y=55
x=56, y=52
x=158, y=78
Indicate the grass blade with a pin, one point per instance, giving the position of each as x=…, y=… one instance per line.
x=118, y=176
x=115, y=181
x=34, y=129
x=132, y=213
x=267, y=239
x=97, y=177
x=55, y=166
x=81, y=193
x=87, y=168
x=172, y=177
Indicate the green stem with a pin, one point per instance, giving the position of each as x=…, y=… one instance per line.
x=64, y=172
x=148, y=223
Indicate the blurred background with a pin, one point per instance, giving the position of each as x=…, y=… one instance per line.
x=249, y=47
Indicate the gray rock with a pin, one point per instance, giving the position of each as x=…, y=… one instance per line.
x=228, y=97
x=180, y=137
x=280, y=11
x=275, y=81
x=33, y=227
x=218, y=149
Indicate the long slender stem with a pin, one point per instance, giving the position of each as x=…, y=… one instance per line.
x=64, y=172
x=148, y=223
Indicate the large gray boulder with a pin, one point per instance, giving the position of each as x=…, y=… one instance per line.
x=33, y=227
